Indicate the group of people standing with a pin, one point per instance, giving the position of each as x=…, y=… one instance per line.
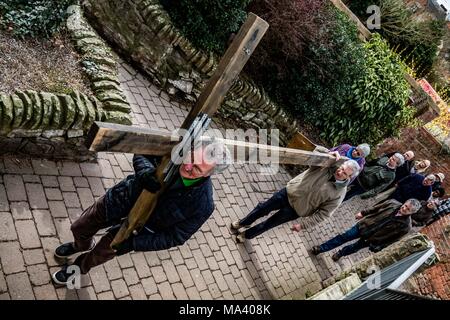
x=406, y=196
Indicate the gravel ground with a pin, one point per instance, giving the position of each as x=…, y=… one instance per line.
x=40, y=64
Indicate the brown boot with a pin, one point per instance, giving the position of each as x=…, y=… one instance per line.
x=315, y=250
x=336, y=256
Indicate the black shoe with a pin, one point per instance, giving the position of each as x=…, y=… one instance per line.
x=336, y=256
x=67, y=249
x=316, y=250
x=62, y=277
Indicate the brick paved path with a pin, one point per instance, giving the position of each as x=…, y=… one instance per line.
x=39, y=199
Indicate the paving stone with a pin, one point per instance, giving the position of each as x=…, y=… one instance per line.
x=185, y=276
x=4, y=205
x=63, y=229
x=96, y=186
x=125, y=261
x=113, y=269
x=108, y=183
x=155, y=296
x=123, y=162
x=50, y=244
x=7, y=229
x=36, y=196
x=140, y=263
x=158, y=274
x=119, y=287
x=20, y=287
x=86, y=293
x=86, y=197
x=118, y=172
x=67, y=168
x=3, y=286
x=137, y=292
x=11, y=257
x=149, y=285
x=28, y=235
x=74, y=214
x=47, y=181
x=33, y=256
x=130, y=276
x=71, y=200
x=44, y=167
x=15, y=189
x=57, y=209
x=19, y=166
x=20, y=210
x=38, y=274
x=66, y=184
x=90, y=170
x=53, y=194
x=31, y=178
x=171, y=271
x=45, y=292
x=106, y=169
x=81, y=182
x=193, y=293
x=165, y=290
x=106, y=296
x=179, y=291
x=99, y=279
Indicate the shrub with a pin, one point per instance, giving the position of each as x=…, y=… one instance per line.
x=416, y=41
x=33, y=17
x=313, y=79
x=377, y=108
x=207, y=23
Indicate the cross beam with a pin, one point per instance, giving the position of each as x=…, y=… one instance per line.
x=209, y=101
x=120, y=138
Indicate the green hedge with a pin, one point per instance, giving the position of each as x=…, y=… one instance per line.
x=207, y=23
x=376, y=109
x=33, y=17
x=416, y=41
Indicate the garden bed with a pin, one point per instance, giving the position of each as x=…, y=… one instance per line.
x=40, y=64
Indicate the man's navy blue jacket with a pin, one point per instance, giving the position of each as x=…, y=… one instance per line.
x=179, y=213
x=411, y=187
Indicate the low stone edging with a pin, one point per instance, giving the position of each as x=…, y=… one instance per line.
x=49, y=125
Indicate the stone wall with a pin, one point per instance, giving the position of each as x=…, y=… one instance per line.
x=142, y=31
x=435, y=281
x=48, y=125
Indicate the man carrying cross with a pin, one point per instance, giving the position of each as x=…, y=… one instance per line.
x=181, y=210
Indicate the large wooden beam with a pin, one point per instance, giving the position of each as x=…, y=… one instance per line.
x=229, y=67
x=209, y=101
x=120, y=138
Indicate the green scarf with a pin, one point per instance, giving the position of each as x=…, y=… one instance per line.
x=190, y=182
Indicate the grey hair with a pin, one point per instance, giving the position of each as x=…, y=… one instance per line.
x=431, y=177
x=415, y=204
x=354, y=166
x=365, y=148
x=400, y=158
x=218, y=153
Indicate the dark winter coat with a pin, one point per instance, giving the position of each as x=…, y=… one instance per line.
x=179, y=213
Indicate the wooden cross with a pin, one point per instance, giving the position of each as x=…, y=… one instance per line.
x=120, y=138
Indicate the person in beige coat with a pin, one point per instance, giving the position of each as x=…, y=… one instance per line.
x=310, y=197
